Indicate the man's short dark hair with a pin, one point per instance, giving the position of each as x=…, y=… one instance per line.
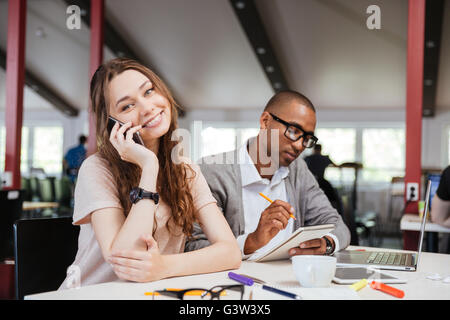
x=287, y=96
x=82, y=139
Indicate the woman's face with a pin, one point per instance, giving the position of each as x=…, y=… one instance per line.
x=134, y=98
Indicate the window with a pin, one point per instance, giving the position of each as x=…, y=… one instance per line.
x=24, y=164
x=340, y=145
x=48, y=149
x=383, y=153
x=217, y=140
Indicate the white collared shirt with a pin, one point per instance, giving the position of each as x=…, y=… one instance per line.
x=254, y=204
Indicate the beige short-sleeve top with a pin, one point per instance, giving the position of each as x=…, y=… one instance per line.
x=96, y=189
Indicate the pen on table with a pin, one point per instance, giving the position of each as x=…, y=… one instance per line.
x=247, y=281
x=268, y=199
x=387, y=289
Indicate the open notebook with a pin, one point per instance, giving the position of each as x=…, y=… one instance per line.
x=300, y=235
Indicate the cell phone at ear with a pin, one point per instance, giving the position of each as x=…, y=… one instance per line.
x=112, y=121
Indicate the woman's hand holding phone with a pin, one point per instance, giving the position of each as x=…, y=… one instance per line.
x=121, y=138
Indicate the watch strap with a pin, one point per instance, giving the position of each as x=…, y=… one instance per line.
x=329, y=247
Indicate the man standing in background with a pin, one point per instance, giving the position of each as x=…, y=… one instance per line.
x=74, y=157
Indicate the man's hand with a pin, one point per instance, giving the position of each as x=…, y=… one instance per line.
x=273, y=219
x=313, y=247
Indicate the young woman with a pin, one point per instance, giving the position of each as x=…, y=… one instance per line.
x=121, y=235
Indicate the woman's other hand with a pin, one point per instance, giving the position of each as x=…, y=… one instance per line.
x=140, y=266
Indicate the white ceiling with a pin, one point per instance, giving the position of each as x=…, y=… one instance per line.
x=200, y=50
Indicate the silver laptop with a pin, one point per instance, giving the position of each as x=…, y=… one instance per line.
x=383, y=259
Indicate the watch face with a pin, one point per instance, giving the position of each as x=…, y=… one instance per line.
x=134, y=194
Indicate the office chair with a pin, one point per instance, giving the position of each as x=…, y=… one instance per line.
x=44, y=249
x=11, y=210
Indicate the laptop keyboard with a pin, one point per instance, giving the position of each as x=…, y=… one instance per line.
x=390, y=258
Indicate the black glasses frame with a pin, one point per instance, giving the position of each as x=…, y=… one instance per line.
x=307, y=136
x=214, y=292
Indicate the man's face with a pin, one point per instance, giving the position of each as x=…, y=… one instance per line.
x=293, y=113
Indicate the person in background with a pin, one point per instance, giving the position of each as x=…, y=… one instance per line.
x=440, y=208
x=135, y=205
x=74, y=158
x=317, y=163
x=287, y=126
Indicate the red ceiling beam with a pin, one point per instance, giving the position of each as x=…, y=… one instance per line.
x=414, y=95
x=15, y=80
x=96, y=59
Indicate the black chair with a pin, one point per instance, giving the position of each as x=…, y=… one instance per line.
x=11, y=202
x=44, y=249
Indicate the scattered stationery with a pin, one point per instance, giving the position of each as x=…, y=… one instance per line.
x=330, y=293
x=359, y=285
x=249, y=282
x=282, y=292
x=387, y=289
x=268, y=199
x=240, y=278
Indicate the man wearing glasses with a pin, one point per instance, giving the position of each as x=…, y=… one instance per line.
x=270, y=164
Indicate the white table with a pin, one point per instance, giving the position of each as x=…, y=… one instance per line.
x=412, y=222
x=277, y=273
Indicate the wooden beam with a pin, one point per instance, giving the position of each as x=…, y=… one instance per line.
x=254, y=29
x=434, y=13
x=36, y=84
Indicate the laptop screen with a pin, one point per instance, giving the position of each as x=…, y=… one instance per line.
x=424, y=219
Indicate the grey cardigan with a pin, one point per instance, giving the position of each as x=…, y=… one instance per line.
x=309, y=201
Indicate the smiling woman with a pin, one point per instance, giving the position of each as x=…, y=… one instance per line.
x=136, y=207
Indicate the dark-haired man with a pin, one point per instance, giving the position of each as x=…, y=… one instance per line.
x=74, y=158
x=270, y=164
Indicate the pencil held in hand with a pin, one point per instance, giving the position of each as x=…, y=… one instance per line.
x=268, y=199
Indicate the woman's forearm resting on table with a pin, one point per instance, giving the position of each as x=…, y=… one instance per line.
x=217, y=257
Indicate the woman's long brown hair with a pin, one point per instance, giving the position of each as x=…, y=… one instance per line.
x=173, y=179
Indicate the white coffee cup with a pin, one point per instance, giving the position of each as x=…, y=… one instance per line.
x=314, y=271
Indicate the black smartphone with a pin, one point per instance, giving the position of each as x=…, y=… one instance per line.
x=112, y=121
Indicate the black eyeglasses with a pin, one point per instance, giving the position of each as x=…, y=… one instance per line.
x=217, y=292
x=295, y=132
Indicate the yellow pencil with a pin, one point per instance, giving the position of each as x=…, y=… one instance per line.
x=268, y=199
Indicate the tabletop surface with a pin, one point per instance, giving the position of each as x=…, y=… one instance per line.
x=275, y=273
x=412, y=222
x=32, y=205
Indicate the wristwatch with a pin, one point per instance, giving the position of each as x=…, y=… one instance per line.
x=329, y=249
x=137, y=194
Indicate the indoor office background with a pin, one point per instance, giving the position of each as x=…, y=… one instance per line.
x=355, y=76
